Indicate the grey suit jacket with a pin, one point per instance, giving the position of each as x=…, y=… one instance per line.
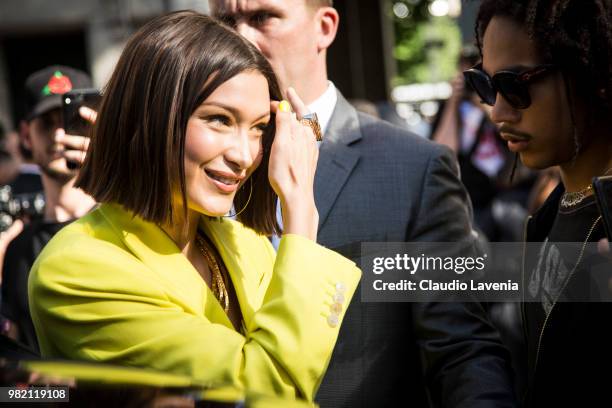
x=376, y=182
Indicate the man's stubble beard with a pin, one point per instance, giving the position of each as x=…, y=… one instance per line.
x=58, y=176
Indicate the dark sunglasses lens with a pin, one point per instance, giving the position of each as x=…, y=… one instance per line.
x=515, y=93
x=480, y=83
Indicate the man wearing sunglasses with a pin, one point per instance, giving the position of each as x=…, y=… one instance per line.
x=464, y=125
x=546, y=71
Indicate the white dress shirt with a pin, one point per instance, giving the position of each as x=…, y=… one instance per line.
x=324, y=106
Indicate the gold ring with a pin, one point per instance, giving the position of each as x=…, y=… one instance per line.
x=311, y=120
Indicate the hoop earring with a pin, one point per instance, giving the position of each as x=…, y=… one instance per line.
x=247, y=203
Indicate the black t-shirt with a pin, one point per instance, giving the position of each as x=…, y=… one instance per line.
x=27, y=183
x=556, y=263
x=566, y=357
x=19, y=258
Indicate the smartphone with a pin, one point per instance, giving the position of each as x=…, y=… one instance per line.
x=602, y=187
x=74, y=124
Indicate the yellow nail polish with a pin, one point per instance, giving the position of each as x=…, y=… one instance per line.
x=284, y=106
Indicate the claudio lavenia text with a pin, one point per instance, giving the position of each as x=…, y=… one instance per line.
x=454, y=285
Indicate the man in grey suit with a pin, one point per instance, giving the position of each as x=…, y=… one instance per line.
x=376, y=183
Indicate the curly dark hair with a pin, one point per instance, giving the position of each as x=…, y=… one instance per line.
x=575, y=35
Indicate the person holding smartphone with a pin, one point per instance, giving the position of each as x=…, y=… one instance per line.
x=159, y=275
x=545, y=70
x=42, y=133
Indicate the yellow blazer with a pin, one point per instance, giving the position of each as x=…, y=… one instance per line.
x=114, y=288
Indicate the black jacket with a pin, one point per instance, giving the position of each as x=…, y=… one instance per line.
x=570, y=358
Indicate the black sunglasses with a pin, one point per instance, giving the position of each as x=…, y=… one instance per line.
x=512, y=85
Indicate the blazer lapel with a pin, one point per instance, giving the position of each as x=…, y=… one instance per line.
x=154, y=248
x=235, y=254
x=336, y=158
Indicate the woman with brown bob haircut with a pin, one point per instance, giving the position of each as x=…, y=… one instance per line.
x=157, y=276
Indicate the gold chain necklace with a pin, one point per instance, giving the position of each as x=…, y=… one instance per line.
x=219, y=289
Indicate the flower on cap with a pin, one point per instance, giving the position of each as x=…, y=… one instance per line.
x=58, y=84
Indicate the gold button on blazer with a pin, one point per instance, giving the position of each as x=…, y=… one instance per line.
x=114, y=288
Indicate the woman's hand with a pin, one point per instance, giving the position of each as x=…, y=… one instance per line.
x=458, y=89
x=293, y=163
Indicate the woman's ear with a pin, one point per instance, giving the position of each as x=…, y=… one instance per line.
x=327, y=19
